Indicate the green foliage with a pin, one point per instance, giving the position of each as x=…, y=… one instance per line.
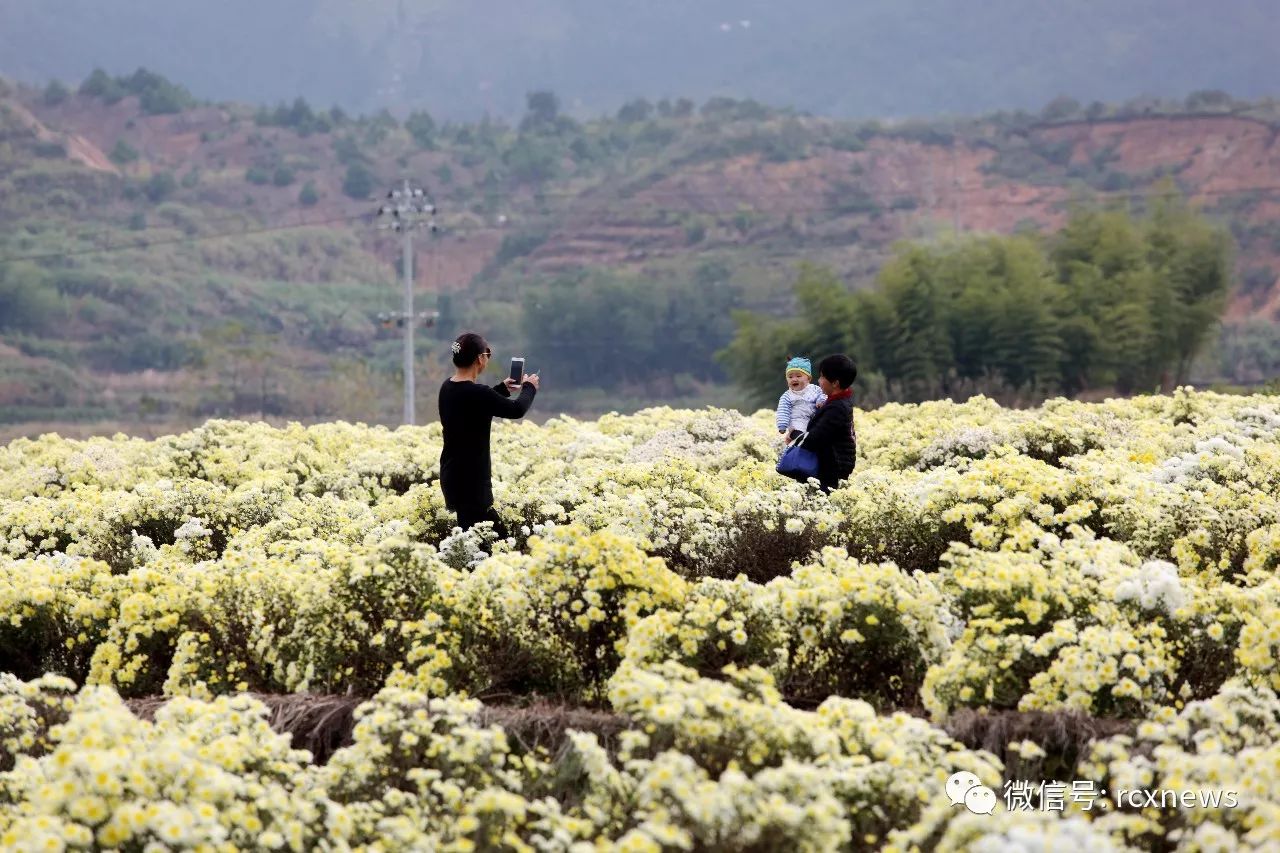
x=122, y=153
x=29, y=300
x=1209, y=100
x=446, y=305
x=533, y=160
x=51, y=150
x=852, y=142
x=846, y=198
x=55, y=93
x=257, y=175
x=695, y=232
x=601, y=328
x=282, y=176
x=141, y=351
x=1108, y=302
x=682, y=108
x=159, y=187
x=39, y=391
x=635, y=111
x=137, y=221
x=1061, y=108
x=1192, y=262
x=379, y=127
x=359, y=181
x=923, y=132
x=731, y=109
x=299, y=117
x=776, y=141
x=156, y=95
x=519, y=244
x=1056, y=153
x=189, y=219
x=348, y=152
x=422, y=127
x=308, y=196
x=542, y=110
x=652, y=137
x=1247, y=352
x=788, y=143
x=1036, y=160
x=103, y=86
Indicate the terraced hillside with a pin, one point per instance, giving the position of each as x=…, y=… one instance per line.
x=166, y=259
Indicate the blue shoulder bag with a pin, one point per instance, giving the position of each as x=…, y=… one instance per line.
x=797, y=462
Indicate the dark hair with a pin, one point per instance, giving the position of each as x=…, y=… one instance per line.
x=470, y=345
x=839, y=368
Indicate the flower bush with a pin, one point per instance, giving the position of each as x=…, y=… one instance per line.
x=881, y=770
x=202, y=775
x=859, y=630
x=588, y=590
x=1230, y=742
x=720, y=623
x=424, y=763
x=28, y=710
x=54, y=614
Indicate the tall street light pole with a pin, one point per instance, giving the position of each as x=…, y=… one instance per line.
x=407, y=209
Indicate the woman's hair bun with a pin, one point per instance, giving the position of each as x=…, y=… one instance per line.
x=467, y=348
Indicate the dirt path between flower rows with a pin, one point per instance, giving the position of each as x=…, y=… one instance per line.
x=323, y=724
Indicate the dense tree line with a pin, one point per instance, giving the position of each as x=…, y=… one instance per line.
x=300, y=117
x=605, y=329
x=1109, y=302
x=1247, y=353
x=156, y=94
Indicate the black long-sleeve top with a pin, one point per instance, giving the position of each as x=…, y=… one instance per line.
x=467, y=410
x=832, y=438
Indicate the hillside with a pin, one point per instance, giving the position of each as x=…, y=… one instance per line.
x=279, y=315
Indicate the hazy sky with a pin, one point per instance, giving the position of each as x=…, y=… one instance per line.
x=459, y=58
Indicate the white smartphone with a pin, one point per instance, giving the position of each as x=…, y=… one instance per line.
x=517, y=368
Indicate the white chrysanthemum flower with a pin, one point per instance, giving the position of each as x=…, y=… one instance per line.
x=1155, y=586
x=193, y=528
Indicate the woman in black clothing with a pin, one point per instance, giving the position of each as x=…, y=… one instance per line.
x=467, y=408
x=831, y=432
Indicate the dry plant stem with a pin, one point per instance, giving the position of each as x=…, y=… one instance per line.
x=323, y=724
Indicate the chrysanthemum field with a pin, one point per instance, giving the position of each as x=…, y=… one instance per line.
x=1083, y=594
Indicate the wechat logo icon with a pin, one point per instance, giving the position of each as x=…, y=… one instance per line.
x=964, y=788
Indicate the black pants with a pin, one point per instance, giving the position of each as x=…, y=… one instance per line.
x=468, y=517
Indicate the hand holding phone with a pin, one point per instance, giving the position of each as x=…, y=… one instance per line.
x=517, y=369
